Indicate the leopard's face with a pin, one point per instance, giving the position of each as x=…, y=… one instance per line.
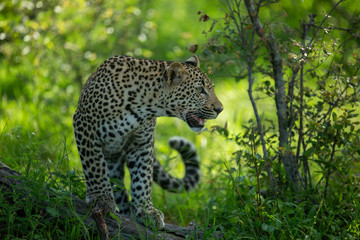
x=193, y=99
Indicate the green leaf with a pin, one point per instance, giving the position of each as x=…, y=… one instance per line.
x=338, y=126
x=268, y=228
x=309, y=152
x=52, y=211
x=334, y=116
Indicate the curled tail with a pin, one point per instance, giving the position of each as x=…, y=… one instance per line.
x=192, y=168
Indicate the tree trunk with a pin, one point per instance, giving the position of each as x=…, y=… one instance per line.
x=269, y=40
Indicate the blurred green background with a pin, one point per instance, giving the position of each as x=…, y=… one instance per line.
x=49, y=48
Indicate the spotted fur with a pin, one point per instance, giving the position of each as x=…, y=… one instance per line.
x=115, y=121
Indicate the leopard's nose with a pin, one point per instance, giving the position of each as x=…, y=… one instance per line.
x=218, y=110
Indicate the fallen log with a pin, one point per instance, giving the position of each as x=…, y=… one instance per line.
x=114, y=226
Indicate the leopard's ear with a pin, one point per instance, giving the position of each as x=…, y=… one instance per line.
x=174, y=74
x=193, y=60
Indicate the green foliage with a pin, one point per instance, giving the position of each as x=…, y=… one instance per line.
x=24, y=216
x=323, y=84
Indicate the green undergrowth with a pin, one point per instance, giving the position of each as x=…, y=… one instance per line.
x=226, y=201
x=41, y=209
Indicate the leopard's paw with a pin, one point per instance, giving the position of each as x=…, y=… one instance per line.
x=101, y=201
x=149, y=216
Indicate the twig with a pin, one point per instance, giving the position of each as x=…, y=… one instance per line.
x=234, y=182
x=233, y=17
x=98, y=216
x=253, y=151
x=329, y=170
x=301, y=127
x=250, y=63
x=322, y=22
x=349, y=30
x=307, y=173
x=258, y=121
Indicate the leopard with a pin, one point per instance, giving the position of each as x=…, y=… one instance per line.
x=114, y=125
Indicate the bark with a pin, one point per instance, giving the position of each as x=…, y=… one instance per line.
x=12, y=182
x=269, y=40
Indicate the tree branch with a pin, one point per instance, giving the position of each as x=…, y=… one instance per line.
x=276, y=61
x=249, y=45
x=301, y=64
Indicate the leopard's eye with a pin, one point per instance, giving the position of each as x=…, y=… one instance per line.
x=201, y=90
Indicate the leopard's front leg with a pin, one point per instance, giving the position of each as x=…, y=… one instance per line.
x=140, y=158
x=99, y=193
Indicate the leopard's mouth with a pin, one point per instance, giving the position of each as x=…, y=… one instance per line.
x=195, y=121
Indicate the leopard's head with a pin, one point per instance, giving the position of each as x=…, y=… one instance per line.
x=191, y=95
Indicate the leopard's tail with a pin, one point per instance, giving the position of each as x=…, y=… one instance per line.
x=190, y=158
